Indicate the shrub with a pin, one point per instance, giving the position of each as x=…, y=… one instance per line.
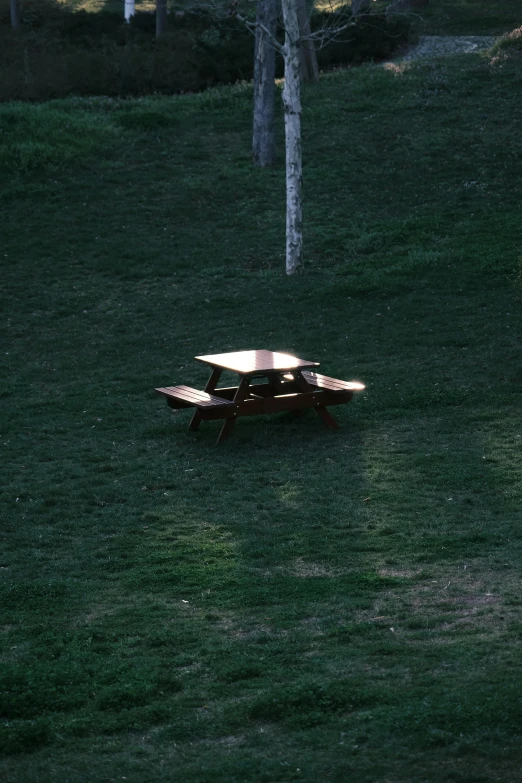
x=508, y=46
x=61, y=53
x=35, y=13
x=373, y=37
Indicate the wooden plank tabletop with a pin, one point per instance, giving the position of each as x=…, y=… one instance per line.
x=249, y=362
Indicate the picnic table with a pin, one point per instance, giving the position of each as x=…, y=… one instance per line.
x=269, y=382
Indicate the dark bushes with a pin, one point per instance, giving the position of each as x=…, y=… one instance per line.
x=57, y=52
x=374, y=37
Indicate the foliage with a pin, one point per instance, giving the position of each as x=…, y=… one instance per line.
x=35, y=13
x=97, y=54
x=373, y=37
x=297, y=604
x=508, y=47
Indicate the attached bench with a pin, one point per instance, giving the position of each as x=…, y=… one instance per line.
x=186, y=397
x=331, y=384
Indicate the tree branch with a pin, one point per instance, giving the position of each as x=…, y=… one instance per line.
x=252, y=26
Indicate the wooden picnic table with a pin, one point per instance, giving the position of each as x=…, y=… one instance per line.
x=269, y=382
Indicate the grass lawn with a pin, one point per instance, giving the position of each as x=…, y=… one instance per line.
x=296, y=604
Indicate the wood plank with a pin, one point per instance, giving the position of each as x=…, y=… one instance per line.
x=255, y=407
x=259, y=406
x=323, y=382
x=258, y=390
x=283, y=402
x=227, y=392
x=178, y=405
x=251, y=362
x=192, y=396
x=187, y=393
x=170, y=393
x=334, y=384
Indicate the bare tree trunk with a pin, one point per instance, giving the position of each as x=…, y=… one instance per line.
x=15, y=14
x=263, y=143
x=307, y=53
x=129, y=9
x=292, y=109
x=161, y=17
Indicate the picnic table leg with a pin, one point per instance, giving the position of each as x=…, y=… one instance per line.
x=240, y=395
x=212, y=382
x=277, y=385
x=322, y=410
x=327, y=417
x=299, y=412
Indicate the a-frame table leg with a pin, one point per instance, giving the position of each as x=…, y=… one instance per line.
x=321, y=410
x=275, y=382
x=212, y=382
x=230, y=423
x=327, y=417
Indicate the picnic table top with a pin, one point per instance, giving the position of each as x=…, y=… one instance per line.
x=248, y=362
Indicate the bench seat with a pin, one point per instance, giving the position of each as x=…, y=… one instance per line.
x=187, y=397
x=331, y=384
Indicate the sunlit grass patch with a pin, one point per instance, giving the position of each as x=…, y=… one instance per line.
x=49, y=137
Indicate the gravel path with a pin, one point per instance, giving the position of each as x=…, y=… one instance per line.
x=444, y=45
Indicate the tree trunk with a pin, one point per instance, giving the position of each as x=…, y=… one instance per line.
x=129, y=9
x=307, y=53
x=263, y=143
x=15, y=14
x=292, y=109
x=161, y=17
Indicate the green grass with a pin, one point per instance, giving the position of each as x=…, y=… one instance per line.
x=296, y=604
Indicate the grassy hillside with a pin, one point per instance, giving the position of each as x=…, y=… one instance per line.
x=296, y=604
